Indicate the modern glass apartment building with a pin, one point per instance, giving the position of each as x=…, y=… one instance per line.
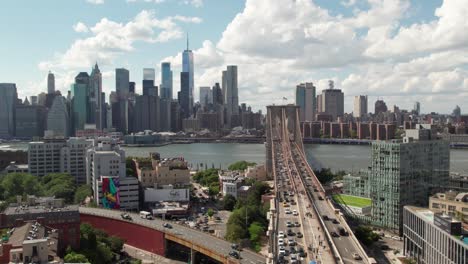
x=405, y=172
x=432, y=238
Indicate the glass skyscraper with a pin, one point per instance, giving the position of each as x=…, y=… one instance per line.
x=80, y=102
x=187, y=66
x=166, y=81
x=8, y=98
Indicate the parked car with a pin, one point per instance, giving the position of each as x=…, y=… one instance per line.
x=325, y=218
x=334, y=234
x=234, y=254
x=335, y=221
x=297, y=224
x=299, y=234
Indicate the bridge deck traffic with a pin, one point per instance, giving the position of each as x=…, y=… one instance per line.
x=327, y=230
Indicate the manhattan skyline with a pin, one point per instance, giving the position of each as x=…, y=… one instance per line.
x=401, y=51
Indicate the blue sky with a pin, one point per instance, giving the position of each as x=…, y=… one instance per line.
x=399, y=50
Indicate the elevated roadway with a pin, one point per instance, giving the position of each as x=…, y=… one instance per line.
x=151, y=236
x=327, y=230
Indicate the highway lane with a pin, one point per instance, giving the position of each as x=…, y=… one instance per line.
x=344, y=244
x=196, y=237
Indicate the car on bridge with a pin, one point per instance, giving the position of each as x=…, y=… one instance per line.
x=167, y=225
x=234, y=254
x=126, y=216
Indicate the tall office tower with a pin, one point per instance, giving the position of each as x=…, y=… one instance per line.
x=147, y=106
x=131, y=87
x=50, y=83
x=380, y=107
x=80, y=101
x=122, y=87
x=165, y=114
x=217, y=95
x=29, y=121
x=231, y=96
x=149, y=74
x=166, y=81
x=184, y=98
x=58, y=117
x=417, y=108
x=333, y=102
x=305, y=99
x=33, y=99
x=360, y=106
x=95, y=111
x=176, y=120
x=206, y=97
x=223, y=85
x=8, y=99
x=319, y=103
x=108, y=115
x=41, y=98
x=122, y=82
x=405, y=173
x=187, y=66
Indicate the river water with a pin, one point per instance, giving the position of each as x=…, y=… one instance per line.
x=336, y=157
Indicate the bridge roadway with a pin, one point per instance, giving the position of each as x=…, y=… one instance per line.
x=283, y=129
x=345, y=244
x=189, y=237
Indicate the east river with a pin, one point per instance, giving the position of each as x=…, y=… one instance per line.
x=336, y=157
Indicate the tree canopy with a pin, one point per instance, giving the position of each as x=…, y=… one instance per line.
x=241, y=165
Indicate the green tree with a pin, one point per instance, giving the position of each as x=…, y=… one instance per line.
x=241, y=165
x=104, y=254
x=73, y=257
x=82, y=192
x=235, y=232
x=210, y=212
x=115, y=243
x=256, y=231
x=130, y=166
x=14, y=184
x=366, y=235
x=229, y=202
x=213, y=189
x=60, y=185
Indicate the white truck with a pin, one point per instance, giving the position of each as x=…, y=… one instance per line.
x=146, y=215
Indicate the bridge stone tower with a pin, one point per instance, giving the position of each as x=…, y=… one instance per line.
x=278, y=118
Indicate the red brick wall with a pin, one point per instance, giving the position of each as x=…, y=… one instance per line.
x=5, y=254
x=135, y=235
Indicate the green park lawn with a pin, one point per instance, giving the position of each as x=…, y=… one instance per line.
x=352, y=200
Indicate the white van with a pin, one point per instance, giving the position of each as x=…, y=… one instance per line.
x=146, y=215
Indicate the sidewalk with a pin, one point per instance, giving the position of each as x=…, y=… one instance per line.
x=313, y=234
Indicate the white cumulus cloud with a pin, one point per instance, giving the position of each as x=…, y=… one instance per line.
x=80, y=27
